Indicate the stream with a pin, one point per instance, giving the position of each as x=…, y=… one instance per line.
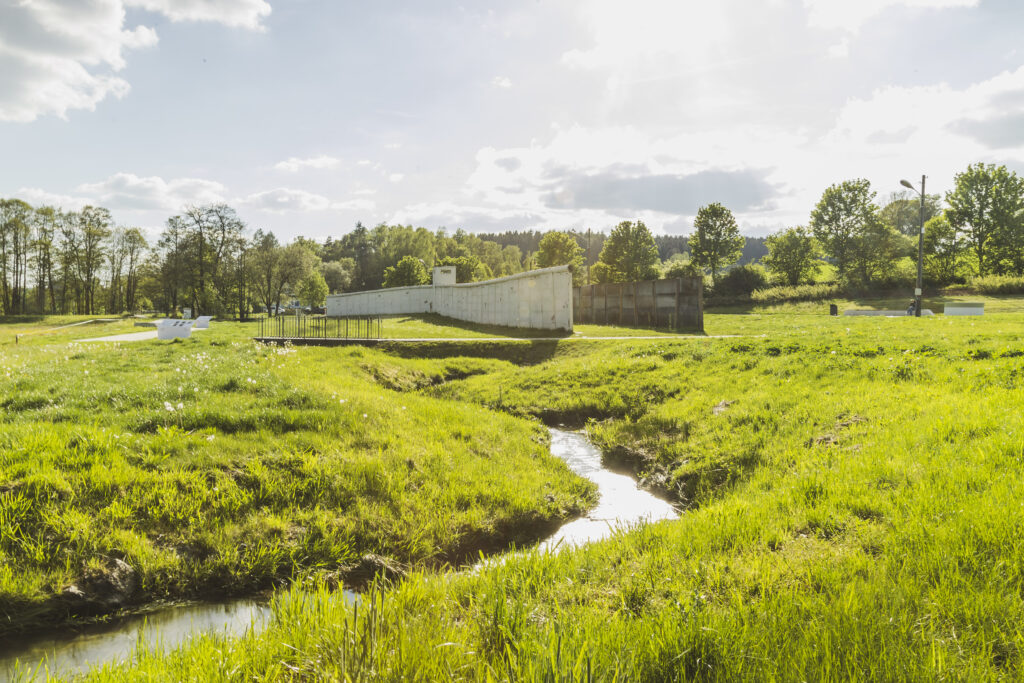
x=621, y=503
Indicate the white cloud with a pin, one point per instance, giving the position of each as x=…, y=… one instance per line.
x=840, y=49
x=850, y=15
x=355, y=205
x=240, y=13
x=295, y=164
x=57, y=56
x=396, y=177
x=501, y=82
x=131, y=192
x=284, y=199
x=40, y=197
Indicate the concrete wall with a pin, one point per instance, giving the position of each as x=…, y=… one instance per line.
x=539, y=299
x=676, y=303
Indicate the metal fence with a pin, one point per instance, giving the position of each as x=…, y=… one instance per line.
x=310, y=327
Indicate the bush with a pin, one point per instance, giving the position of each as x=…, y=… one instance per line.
x=998, y=284
x=741, y=281
x=776, y=295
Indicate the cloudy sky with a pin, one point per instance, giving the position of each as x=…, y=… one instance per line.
x=310, y=115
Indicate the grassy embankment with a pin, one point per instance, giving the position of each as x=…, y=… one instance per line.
x=214, y=466
x=853, y=489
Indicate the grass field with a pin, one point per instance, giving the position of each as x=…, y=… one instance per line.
x=217, y=466
x=852, y=489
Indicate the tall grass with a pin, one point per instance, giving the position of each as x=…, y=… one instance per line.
x=852, y=492
x=217, y=466
x=998, y=284
x=816, y=292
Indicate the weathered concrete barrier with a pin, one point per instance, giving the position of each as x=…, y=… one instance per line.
x=537, y=299
x=677, y=303
x=964, y=308
x=174, y=329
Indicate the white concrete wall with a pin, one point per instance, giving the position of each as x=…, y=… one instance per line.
x=443, y=275
x=539, y=299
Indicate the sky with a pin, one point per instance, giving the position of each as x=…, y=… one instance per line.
x=307, y=116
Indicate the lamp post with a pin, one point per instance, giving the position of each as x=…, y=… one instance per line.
x=920, y=246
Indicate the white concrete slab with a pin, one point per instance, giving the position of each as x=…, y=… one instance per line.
x=130, y=337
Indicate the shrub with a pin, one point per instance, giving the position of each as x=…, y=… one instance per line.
x=741, y=281
x=774, y=295
x=998, y=284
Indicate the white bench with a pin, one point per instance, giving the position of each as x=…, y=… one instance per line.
x=203, y=322
x=174, y=329
x=964, y=308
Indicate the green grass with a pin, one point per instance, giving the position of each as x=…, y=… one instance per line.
x=438, y=327
x=217, y=466
x=852, y=491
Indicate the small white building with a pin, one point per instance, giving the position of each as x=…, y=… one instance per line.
x=537, y=299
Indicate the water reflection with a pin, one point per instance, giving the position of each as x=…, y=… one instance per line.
x=73, y=653
x=621, y=502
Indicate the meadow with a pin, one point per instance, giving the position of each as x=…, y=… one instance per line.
x=215, y=466
x=851, y=490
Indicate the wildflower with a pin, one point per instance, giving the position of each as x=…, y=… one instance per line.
x=181, y=406
x=365, y=415
x=209, y=437
x=168, y=406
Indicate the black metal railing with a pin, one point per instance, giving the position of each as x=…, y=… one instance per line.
x=316, y=327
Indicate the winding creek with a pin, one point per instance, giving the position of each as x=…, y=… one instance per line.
x=621, y=503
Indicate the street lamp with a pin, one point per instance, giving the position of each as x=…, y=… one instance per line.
x=920, y=246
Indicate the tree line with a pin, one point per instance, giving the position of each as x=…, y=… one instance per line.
x=206, y=259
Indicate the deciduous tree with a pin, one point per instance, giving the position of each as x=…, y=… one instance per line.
x=408, y=272
x=629, y=254
x=983, y=205
x=716, y=241
x=561, y=249
x=793, y=255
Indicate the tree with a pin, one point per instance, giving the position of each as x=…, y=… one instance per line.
x=793, y=255
x=903, y=211
x=94, y=229
x=338, y=274
x=264, y=265
x=312, y=290
x=15, y=239
x=716, y=242
x=629, y=254
x=561, y=249
x=984, y=205
x=845, y=215
x=943, y=249
x=408, y=272
x=679, y=265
